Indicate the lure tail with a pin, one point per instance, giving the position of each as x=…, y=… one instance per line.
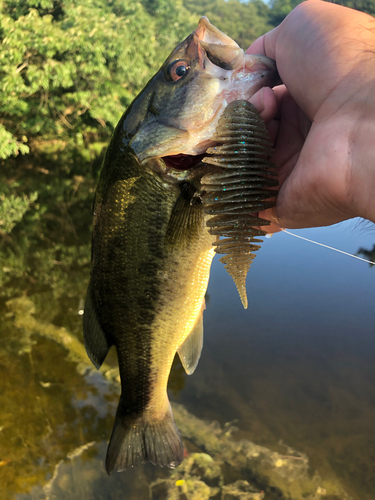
x=137, y=439
x=239, y=188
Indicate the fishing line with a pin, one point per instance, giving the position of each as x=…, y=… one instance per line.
x=330, y=248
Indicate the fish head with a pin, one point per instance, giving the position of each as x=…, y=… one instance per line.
x=176, y=114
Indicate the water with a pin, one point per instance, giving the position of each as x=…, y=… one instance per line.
x=295, y=368
x=301, y=357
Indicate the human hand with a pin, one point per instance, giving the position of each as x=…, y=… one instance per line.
x=325, y=124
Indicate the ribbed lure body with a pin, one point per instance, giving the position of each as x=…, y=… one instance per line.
x=239, y=188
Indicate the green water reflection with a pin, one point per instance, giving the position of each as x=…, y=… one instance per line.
x=296, y=367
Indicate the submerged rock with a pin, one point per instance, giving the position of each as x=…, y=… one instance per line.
x=199, y=477
x=241, y=490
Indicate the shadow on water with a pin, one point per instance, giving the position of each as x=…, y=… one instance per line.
x=296, y=368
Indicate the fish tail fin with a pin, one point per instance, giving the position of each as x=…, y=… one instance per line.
x=137, y=439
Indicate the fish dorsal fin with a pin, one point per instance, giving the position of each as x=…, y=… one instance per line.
x=190, y=350
x=96, y=342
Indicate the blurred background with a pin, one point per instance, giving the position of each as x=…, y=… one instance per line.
x=295, y=368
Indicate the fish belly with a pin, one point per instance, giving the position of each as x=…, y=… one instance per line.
x=185, y=287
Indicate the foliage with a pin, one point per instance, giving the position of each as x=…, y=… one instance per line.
x=10, y=145
x=244, y=22
x=280, y=9
x=45, y=217
x=13, y=208
x=367, y=6
x=69, y=69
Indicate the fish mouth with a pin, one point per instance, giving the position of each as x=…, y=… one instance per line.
x=208, y=33
x=182, y=162
x=178, y=136
x=225, y=53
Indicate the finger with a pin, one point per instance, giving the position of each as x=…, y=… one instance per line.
x=280, y=91
x=266, y=103
x=273, y=128
x=274, y=226
x=257, y=47
x=266, y=44
x=291, y=137
x=271, y=229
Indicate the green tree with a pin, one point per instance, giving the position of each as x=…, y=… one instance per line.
x=244, y=22
x=69, y=69
x=367, y=6
x=281, y=8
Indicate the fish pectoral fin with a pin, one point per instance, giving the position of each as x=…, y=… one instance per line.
x=187, y=218
x=96, y=342
x=190, y=350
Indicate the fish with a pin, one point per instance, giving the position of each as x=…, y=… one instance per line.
x=151, y=246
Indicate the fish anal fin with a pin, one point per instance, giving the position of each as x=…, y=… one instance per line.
x=96, y=342
x=137, y=439
x=190, y=350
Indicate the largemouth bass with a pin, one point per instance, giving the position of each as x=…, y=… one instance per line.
x=151, y=249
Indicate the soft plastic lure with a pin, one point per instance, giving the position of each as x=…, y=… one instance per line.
x=239, y=188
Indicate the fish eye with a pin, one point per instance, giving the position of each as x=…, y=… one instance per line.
x=178, y=69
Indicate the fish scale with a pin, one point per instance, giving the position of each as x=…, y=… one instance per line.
x=239, y=188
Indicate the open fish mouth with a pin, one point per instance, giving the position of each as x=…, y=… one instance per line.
x=182, y=161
